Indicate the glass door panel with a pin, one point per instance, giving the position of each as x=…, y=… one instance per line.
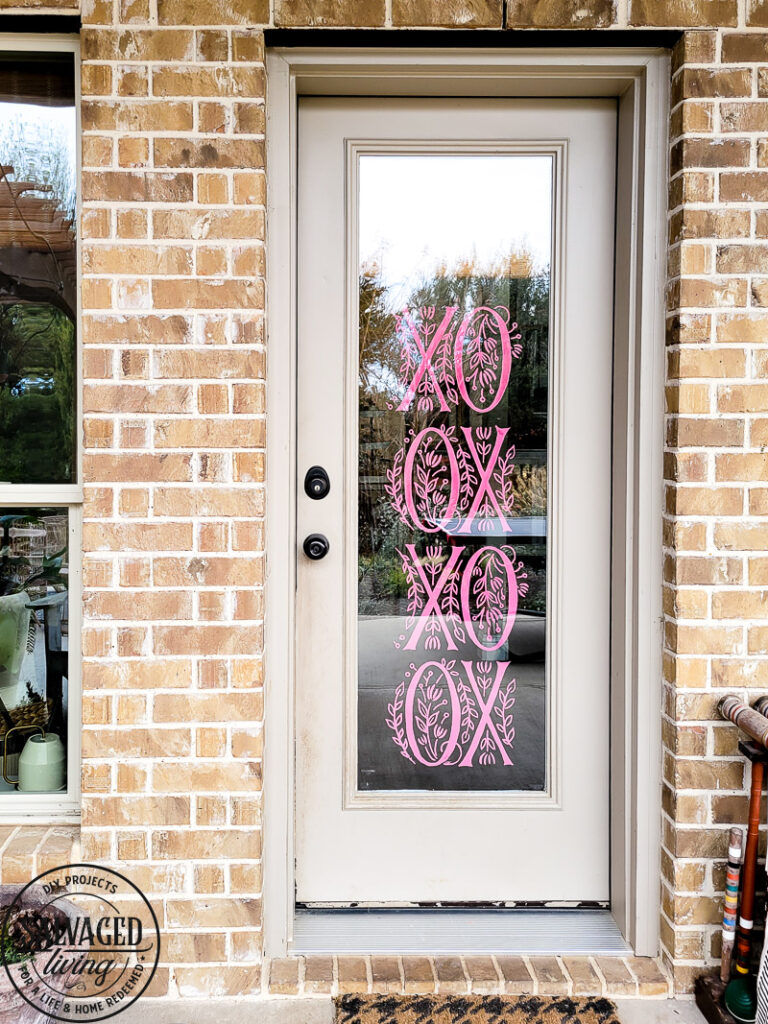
x=454, y=258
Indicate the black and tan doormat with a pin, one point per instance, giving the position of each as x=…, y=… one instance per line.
x=359, y=1009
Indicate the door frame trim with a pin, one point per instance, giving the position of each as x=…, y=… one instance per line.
x=638, y=77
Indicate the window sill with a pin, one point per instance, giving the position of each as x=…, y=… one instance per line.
x=45, y=815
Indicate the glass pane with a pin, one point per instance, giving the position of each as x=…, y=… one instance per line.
x=38, y=275
x=34, y=646
x=454, y=290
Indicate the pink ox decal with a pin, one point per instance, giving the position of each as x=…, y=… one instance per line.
x=437, y=718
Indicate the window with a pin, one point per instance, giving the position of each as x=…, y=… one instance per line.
x=39, y=466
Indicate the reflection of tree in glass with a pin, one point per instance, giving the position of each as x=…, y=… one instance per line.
x=38, y=151
x=37, y=294
x=378, y=342
x=37, y=366
x=513, y=283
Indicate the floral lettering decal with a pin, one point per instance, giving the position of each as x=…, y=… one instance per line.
x=456, y=483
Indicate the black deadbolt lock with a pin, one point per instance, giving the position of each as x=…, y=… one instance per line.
x=316, y=546
x=316, y=482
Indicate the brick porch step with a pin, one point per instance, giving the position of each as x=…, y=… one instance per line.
x=487, y=975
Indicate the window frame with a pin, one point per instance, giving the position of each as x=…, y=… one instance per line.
x=58, y=808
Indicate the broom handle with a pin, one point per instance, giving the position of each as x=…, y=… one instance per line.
x=731, y=905
x=746, y=911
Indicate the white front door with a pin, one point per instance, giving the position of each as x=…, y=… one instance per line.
x=454, y=382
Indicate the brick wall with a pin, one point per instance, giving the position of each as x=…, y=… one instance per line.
x=173, y=332
x=716, y=536
x=174, y=360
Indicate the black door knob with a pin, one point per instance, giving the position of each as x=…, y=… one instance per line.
x=316, y=546
x=316, y=483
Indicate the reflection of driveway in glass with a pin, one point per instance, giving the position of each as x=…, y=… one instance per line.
x=382, y=666
x=515, y=528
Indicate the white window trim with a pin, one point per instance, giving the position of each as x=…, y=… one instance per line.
x=638, y=77
x=59, y=808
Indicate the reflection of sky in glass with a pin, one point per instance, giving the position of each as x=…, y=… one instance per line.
x=418, y=213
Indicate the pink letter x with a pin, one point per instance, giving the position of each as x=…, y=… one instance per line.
x=485, y=714
x=432, y=608
x=426, y=358
x=485, y=479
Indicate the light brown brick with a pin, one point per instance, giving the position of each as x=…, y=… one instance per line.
x=483, y=976
x=211, y=46
x=651, y=979
x=698, y=152
x=741, y=259
x=206, y=845
x=550, y=980
x=737, y=673
x=517, y=979
x=451, y=979
x=450, y=14
x=204, y=293
x=195, y=947
x=747, y=467
x=742, y=398
x=683, y=13
x=138, y=116
x=757, y=639
x=385, y=975
x=720, y=501
x=319, y=13
x=707, y=363
x=247, y=82
x=584, y=978
x=122, y=743
x=218, y=981
x=212, y=12
x=318, y=975
x=744, y=328
x=352, y=974
x=142, y=810
x=284, y=976
x=418, y=975
x=740, y=47
x=205, y=776
x=741, y=537
x=712, y=775
x=242, y=706
x=702, y=639
x=137, y=186
x=744, y=186
x=211, y=153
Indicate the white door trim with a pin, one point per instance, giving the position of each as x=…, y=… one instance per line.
x=638, y=77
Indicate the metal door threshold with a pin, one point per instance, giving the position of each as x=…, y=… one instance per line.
x=520, y=932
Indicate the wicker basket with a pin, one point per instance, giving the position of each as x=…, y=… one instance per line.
x=36, y=713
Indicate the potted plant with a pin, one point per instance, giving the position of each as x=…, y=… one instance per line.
x=24, y=924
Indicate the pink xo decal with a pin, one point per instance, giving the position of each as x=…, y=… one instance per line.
x=482, y=359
